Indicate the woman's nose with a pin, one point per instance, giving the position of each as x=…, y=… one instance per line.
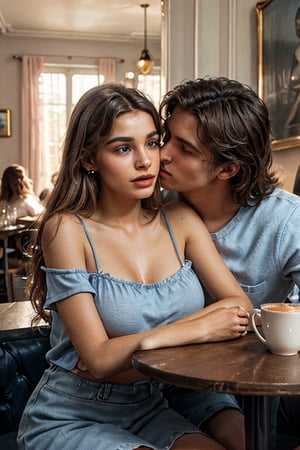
x=143, y=161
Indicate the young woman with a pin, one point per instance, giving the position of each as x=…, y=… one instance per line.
x=17, y=199
x=17, y=192
x=115, y=270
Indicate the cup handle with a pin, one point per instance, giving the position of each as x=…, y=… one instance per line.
x=257, y=312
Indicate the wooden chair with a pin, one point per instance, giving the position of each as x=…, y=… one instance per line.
x=19, y=257
x=15, y=267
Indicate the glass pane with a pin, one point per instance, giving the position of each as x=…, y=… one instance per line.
x=55, y=116
x=54, y=88
x=82, y=83
x=150, y=85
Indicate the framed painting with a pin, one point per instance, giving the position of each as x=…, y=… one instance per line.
x=278, y=32
x=5, y=128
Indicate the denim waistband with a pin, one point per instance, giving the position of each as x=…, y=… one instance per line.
x=101, y=390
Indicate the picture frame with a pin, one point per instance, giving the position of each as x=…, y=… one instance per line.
x=5, y=122
x=279, y=68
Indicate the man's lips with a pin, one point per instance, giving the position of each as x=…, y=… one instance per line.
x=164, y=173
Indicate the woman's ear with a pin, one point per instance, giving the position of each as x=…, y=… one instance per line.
x=88, y=165
x=228, y=170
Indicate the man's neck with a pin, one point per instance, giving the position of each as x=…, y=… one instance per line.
x=216, y=208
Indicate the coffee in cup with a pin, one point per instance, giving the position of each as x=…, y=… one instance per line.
x=280, y=323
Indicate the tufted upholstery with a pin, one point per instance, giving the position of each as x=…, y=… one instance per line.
x=22, y=362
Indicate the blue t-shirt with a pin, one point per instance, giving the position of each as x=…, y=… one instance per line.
x=261, y=246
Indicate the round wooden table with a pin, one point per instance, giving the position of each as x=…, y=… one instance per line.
x=241, y=367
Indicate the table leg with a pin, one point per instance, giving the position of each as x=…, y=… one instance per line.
x=257, y=422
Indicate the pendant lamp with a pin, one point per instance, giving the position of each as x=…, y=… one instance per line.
x=145, y=63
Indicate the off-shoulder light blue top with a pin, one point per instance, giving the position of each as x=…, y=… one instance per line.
x=125, y=307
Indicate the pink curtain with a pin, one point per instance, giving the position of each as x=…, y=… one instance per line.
x=31, y=120
x=107, y=68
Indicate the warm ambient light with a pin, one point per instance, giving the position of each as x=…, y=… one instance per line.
x=145, y=63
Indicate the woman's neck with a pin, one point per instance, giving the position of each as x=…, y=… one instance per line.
x=124, y=216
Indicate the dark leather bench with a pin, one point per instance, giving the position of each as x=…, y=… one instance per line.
x=22, y=363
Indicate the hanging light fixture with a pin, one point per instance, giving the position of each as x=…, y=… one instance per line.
x=145, y=63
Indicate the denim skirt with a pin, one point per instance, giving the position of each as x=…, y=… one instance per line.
x=68, y=412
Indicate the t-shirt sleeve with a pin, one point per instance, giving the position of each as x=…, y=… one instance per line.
x=289, y=246
x=62, y=283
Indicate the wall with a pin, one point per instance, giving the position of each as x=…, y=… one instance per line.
x=10, y=73
x=217, y=38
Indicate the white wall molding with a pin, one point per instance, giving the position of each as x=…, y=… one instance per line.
x=232, y=34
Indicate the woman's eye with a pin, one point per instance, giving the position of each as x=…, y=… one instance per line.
x=123, y=149
x=154, y=143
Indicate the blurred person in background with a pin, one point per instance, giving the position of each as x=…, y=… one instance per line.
x=45, y=193
x=17, y=192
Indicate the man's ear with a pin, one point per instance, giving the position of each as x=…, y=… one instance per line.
x=228, y=170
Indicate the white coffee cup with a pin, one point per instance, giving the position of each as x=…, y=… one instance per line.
x=280, y=323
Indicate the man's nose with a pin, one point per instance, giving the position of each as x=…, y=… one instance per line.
x=165, y=153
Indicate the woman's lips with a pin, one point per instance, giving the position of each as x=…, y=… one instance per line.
x=144, y=181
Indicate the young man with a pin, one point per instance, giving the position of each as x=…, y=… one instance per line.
x=217, y=155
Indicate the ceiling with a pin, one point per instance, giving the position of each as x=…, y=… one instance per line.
x=113, y=20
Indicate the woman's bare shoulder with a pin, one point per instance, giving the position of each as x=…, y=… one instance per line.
x=60, y=225
x=185, y=217
x=181, y=210
x=63, y=242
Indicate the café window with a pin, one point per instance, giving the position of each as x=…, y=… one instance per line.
x=62, y=87
x=61, y=90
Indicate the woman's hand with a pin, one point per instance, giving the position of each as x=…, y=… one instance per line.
x=225, y=323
